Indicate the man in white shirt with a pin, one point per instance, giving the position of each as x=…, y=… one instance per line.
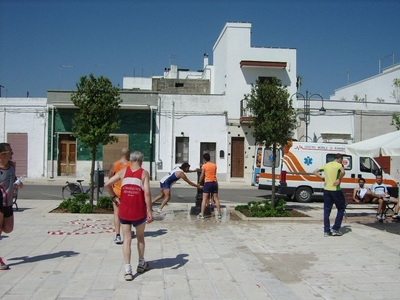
x=362, y=194
x=381, y=194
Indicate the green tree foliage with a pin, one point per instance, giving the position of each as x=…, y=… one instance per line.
x=79, y=204
x=396, y=95
x=263, y=209
x=396, y=92
x=98, y=102
x=274, y=117
x=396, y=121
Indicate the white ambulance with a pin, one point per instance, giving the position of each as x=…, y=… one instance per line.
x=296, y=162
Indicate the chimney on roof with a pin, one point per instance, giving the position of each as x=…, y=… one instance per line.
x=205, y=60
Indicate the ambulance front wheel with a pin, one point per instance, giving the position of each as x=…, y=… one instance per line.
x=303, y=194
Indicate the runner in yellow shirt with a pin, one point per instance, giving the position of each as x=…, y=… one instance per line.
x=334, y=173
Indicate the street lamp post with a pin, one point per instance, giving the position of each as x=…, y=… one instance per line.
x=306, y=108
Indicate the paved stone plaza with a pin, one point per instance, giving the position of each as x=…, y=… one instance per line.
x=69, y=256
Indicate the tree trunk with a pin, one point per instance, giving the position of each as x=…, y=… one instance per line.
x=92, y=175
x=273, y=176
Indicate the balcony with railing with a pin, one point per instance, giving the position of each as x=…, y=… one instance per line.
x=246, y=115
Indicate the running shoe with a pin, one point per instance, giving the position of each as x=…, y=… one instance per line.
x=144, y=268
x=336, y=233
x=118, y=240
x=3, y=266
x=128, y=276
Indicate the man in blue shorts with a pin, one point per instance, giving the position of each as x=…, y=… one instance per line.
x=169, y=180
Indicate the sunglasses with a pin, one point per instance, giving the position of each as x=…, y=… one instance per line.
x=8, y=151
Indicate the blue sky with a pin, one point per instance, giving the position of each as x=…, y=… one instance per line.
x=117, y=38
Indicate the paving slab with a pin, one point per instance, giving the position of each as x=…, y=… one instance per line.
x=72, y=256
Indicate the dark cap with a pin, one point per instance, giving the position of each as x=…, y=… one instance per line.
x=5, y=147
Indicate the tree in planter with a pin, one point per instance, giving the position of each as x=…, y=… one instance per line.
x=98, y=102
x=274, y=117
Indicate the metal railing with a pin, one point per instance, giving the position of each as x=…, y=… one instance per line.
x=244, y=111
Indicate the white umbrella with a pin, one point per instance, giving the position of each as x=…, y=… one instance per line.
x=387, y=144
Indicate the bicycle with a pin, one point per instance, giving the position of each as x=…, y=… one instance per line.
x=71, y=189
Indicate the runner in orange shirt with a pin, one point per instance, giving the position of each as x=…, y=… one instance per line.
x=209, y=174
x=120, y=164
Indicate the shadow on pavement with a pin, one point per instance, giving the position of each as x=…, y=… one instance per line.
x=359, y=214
x=155, y=233
x=345, y=229
x=164, y=263
x=27, y=259
x=299, y=207
x=387, y=225
x=169, y=262
x=21, y=209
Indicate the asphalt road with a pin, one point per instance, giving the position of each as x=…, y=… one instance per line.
x=179, y=195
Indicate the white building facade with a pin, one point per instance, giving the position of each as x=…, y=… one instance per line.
x=192, y=124
x=24, y=126
x=356, y=112
x=379, y=88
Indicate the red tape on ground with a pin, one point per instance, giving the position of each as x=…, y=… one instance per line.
x=98, y=224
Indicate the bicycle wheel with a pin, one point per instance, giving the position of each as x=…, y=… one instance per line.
x=70, y=190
